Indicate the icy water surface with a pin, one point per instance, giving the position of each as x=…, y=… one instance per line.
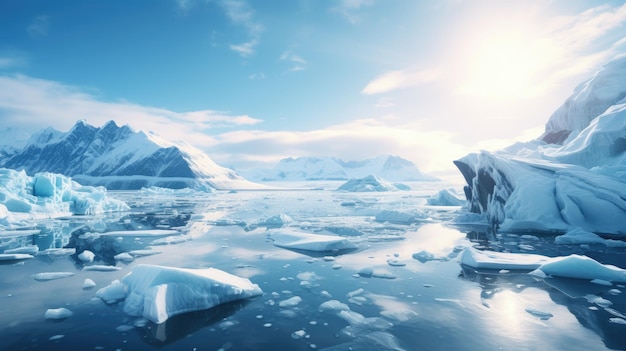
x=401, y=289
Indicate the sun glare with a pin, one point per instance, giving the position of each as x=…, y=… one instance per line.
x=507, y=64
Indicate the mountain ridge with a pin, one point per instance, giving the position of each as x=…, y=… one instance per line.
x=122, y=159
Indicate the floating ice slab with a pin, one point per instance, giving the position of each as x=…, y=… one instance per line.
x=14, y=257
x=582, y=267
x=292, y=239
x=501, y=260
x=57, y=313
x=147, y=232
x=400, y=217
x=159, y=292
x=45, y=276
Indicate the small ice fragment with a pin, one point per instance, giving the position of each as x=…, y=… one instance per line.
x=298, y=334
x=427, y=285
x=124, y=328
x=333, y=306
x=504, y=271
x=86, y=256
x=101, y=268
x=614, y=312
x=313, y=322
x=142, y=253
x=310, y=276
x=57, y=313
x=226, y=324
x=615, y=291
x=593, y=308
x=267, y=325
x=288, y=313
x=325, y=293
x=366, y=272
x=328, y=258
x=51, y=276
x=56, y=337
x=355, y=292
x=601, y=282
x=124, y=257
x=598, y=300
x=290, y=302
x=259, y=316
x=617, y=320
x=140, y=322
x=540, y=314
x=337, y=266
x=88, y=284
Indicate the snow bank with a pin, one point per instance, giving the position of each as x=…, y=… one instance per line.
x=49, y=194
x=291, y=239
x=445, y=197
x=368, y=184
x=159, y=292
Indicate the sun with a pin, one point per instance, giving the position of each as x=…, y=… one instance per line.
x=507, y=64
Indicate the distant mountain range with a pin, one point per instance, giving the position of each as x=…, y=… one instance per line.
x=392, y=168
x=120, y=158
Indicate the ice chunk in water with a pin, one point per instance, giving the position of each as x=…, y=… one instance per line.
x=57, y=313
x=159, y=292
x=51, y=275
x=292, y=239
x=86, y=256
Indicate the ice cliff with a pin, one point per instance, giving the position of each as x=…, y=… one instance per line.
x=578, y=181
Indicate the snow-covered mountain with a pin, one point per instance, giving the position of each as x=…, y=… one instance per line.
x=392, y=168
x=578, y=181
x=121, y=158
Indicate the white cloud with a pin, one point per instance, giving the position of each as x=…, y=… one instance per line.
x=400, y=79
x=39, y=26
x=36, y=103
x=349, y=9
x=239, y=12
x=257, y=76
x=245, y=49
x=296, y=61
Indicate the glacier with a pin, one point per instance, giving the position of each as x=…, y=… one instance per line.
x=536, y=186
x=49, y=195
x=121, y=158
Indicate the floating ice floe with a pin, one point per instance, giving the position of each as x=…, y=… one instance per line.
x=28, y=249
x=292, y=239
x=49, y=195
x=400, y=217
x=142, y=233
x=445, y=197
x=276, y=221
x=45, y=276
x=57, y=313
x=86, y=256
x=501, y=260
x=582, y=267
x=159, y=292
x=15, y=257
x=578, y=236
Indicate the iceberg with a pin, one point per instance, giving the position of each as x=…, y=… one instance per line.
x=583, y=267
x=445, y=197
x=369, y=184
x=159, y=292
x=291, y=239
x=578, y=181
x=49, y=194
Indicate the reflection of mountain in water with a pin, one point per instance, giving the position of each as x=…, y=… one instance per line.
x=183, y=325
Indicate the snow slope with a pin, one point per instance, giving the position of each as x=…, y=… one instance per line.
x=389, y=167
x=557, y=188
x=120, y=158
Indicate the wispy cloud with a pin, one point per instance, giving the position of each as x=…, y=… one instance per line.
x=350, y=9
x=400, y=79
x=39, y=26
x=33, y=104
x=296, y=61
x=257, y=76
x=240, y=13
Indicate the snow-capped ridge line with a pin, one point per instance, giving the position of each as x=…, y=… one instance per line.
x=93, y=155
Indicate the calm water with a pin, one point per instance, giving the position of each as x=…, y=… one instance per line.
x=418, y=302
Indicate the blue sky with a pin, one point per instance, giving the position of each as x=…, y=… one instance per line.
x=251, y=82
